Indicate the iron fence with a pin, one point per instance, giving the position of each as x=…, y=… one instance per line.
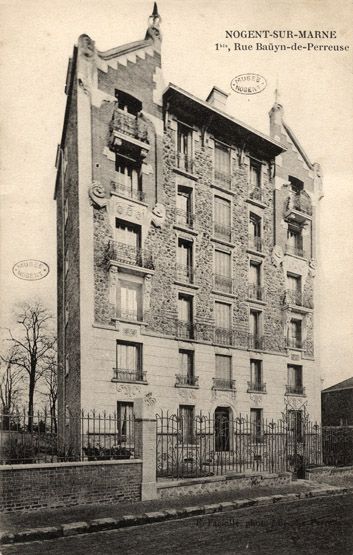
x=87, y=436
x=209, y=445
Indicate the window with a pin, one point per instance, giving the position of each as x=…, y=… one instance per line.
x=128, y=177
x=66, y=262
x=184, y=147
x=255, y=290
x=128, y=362
x=222, y=219
x=295, y=423
x=130, y=306
x=223, y=378
x=295, y=379
x=255, y=239
x=256, y=383
x=294, y=240
x=186, y=368
x=186, y=413
x=67, y=365
x=66, y=313
x=222, y=165
x=184, y=206
x=294, y=289
x=185, y=316
x=255, y=339
x=128, y=103
x=184, y=260
x=223, y=320
x=295, y=333
x=125, y=424
x=255, y=174
x=66, y=211
x=256, y=425
x=295, y=184
x=128, y=234
x=223, y=271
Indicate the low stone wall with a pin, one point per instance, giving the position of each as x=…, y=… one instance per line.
x=41, y=486
x=321, y=473
x=177, y=488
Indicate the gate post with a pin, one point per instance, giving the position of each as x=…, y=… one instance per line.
x=145, y=444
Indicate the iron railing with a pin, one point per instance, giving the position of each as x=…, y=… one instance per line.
x=295, y=390
x=86, y=435
x=127, y=375
x=258, y=387
x=126, y=190
x=295, y=343
x=223, y=232
x=300, y=202
x=223, y=283
x=222, y=383
x=224, y=336
x=223, y=179
x=190, y=446
x=130, y=125
x=184, y=162
x=186, y=379
x=296, y=250
x=297, y=298
x=255, y=342
x=184, y=217
x=257, y=194
x=126, y=254
x=256, y=292
x=256, y=243
x=185, y=330
x=185, y=273
x=131, y=315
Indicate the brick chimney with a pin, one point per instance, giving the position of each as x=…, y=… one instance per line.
x=217, y=98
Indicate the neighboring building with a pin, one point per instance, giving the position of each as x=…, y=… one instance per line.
x=187, y=247
x=337, y=404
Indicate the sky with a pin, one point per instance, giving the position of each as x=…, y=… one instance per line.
x=315, y=88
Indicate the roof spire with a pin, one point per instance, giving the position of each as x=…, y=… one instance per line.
x=153, y=32
x=277, y=95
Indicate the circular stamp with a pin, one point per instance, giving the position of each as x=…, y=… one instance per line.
x=30, y=270
x=248, y=83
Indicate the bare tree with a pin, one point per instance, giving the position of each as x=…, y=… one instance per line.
x=50, y=383
x=34, y=343
x=11, y=379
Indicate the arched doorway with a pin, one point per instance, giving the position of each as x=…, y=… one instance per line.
x=222, y=428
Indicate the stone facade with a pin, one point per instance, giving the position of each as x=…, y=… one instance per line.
x=105, y=135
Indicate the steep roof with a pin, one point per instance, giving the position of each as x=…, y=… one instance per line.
x=346, y=384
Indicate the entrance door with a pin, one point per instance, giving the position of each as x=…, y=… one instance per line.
x=222, y=429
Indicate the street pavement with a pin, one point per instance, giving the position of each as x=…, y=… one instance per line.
x=322, y=525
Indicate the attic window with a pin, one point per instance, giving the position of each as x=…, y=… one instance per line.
x=128, y=103
x=296, y=184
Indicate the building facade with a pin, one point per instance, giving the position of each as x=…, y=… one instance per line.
x=337, y=404
x=187, y=247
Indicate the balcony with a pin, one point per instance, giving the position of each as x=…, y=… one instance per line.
x=127, y=375
x=296, y=250
x=185, y=330
x=223, y=180
x=130, y=125
x=295, y=390
x=131, y=315
x=224, y=336
x=223, y=232
x=256, y=387
x=130, y=256
x=257, y=194
x=224, y=284
x=296, y=298
x=256, y=243
x=256, y=292
x=222, y=383
x=295, y=343
x=184, y=218
x=184, y=274
x=184, y=162
x=182, y=380
x=255, y=342
x=298, y=207
x=125, y=190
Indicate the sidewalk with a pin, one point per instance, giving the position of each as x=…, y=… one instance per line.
x=93, y=518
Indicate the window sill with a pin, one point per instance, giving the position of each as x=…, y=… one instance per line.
x=223, y=242
x=256, y=391
x=257, y=301
x=130, y=268
x=255, y=202
x=222, y=189
x=127, y=197
x=185, y=228
x=187, y=386
x=250, y=250
x=185, y=173
x=304, y=257
x=217, y=388
x=186, y=284
x=295, y=394
x=127, y=321
x=224, y=293
x=139, y=382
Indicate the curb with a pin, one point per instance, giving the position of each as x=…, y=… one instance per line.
x=102, y=524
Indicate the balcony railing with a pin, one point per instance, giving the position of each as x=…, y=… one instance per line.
x=295, y=343
x=257, y=194
x=126, y=254
x=126, y=375
x=256, y=292
x=222, y=383
x=183, y=217
x=125, y=190
x=224, y=336
x=292, y=297
x=295, y=390
x=184, y=162
x=130, y=125
x=300, y=202
x=258, y=387
x=297, y=250
x=223, y=283
x=131, y=315
x=256, y=243
x=223, y=232
x=185, y=380
x=185, y=330
x=223, y=179
x=185, y=273
x=255, y=342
